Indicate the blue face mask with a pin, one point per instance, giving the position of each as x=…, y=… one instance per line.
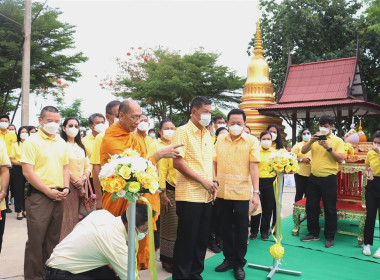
x=306, y=137
x=153, y=135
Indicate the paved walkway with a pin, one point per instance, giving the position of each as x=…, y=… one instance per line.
x=15, y=235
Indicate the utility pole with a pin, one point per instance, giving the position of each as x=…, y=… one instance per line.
x=25, y=85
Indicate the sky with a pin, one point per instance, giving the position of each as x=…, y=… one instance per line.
x=108, y=29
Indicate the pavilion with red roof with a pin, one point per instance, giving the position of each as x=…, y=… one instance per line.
x=333, y=87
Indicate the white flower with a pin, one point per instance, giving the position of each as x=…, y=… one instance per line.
x=107, y=170
x=121, y=193
x=139, y=165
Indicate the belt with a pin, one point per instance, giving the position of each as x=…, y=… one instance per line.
x=49, y=271
x=34, y=190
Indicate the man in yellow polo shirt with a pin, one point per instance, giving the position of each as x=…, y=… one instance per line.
x=97, y=125
x=195, y=190
x=327, y=151
x=45, y=166
x=5, y=164
x=236, y=167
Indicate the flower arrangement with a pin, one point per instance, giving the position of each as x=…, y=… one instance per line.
x=348, y=150
x=282, y=161
x=127, y=175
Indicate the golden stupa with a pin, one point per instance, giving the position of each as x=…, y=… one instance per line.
x=258, y=91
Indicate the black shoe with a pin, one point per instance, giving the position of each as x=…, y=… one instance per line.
x=253, y=236
x=8, y=210
x=214, y=248
x=310, y=237
x=220, y=245
x=329, y=243
x=239, y=273
x=167, y=267
x=226, y=265
x=20, y=218
x=264, y=237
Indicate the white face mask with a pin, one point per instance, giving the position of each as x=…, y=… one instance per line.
x=266, y=144
x=100, y=127
x=306, y=137
x=168, y=134
x=4, y=125
x=274, y=136
x=324, y=130
x=236, y=129
x=115, y=120
x=72, y=131
x=24, y=135
x=13, y=131
x=51, y=127
x=205, y=119
x=221, y=125
x=143, y=126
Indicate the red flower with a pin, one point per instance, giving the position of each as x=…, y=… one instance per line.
x=59, y=81
x=128, y=53
x=145, y=59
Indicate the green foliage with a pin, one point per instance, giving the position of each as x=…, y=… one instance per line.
x=373, y=15
x=51, y=65
x=164, y=82
x=74, y=110
x=315, y=30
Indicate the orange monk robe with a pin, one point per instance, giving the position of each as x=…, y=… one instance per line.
x=115, y=141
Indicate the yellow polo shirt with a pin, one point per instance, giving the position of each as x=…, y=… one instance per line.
x=4, y=162
x=323, y=164
x=372, y=160
x=16, y=150
x=88, y=143
x=233, y=160
x=145, y=142
x=198, y=152
x=48, y=157
x=95, y=152
x=9, y=138
x=305, y=169
x=264, y=156
x=166, y=171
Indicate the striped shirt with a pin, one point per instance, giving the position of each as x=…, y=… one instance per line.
x=198, y=152
x=233, y=160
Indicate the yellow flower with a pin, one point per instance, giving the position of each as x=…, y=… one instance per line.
x=288, y=169
x=278, y=167
x=125, y=172
x=134, y=187
x=113, y=184
x=150, y=170
x=131, y=153
x=277, y=251
x=145, y=180
x=153, y=187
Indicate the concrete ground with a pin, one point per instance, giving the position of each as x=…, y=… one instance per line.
x=15, y=236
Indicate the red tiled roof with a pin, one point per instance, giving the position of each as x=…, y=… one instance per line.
x=313, y=104
x=318, y=81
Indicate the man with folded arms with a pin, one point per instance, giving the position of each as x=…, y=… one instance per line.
x=45, y=166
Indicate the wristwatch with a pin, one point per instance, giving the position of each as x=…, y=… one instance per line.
x=329, y=149
x=300, y=160
x=67, y=188
x=258, y=192
x=4, y=193
x=217, y=182
x=84, y=178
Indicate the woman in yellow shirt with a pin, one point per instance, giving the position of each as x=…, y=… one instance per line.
x=268, y=202
x=17, y=178
x=275, y=132
x=372, y=194
x=80, y=169
x=304, y=160
x=168, y=179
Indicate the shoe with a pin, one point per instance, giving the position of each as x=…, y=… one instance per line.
x=167, y=267
x=226, y=265
x=24, y=214
x=239, y=273
x=329, y=243
x=310, y=237
x=264, y=237
x=8, y=210
x=377, y=254
x=367, y=250
x=20, y=218
x=253, y=236
x=214, y=248
x=220, y=245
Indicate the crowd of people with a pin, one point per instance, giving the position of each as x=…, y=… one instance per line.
x=215, y=190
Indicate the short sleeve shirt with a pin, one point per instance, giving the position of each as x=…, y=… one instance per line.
x=4, y=162
x=372, y=160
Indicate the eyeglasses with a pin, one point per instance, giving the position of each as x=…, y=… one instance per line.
x=136, y=118
x=73, y=125
x=306, y=133
x=145, y=232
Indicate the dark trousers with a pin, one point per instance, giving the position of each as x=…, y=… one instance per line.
x=325, y=188
x=268, y=204
x=234, y=226
x=372, y=197
x=191, y=244
x=18, y=181
x=157, y=234
x=215, y=224
x=103, y=272
x=301, y=186
x=2, y=226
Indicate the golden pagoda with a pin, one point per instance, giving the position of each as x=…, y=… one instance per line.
x=258, y=91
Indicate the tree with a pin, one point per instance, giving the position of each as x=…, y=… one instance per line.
x=373, y=15
x=74, y=110
x=164, y=82
x=51, y=65
x=316, y=30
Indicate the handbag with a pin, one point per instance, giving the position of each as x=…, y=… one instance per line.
x=87, y=202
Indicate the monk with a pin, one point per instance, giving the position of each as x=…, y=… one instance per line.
x=117, y=138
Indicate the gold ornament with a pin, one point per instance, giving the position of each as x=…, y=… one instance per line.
x=277, y=251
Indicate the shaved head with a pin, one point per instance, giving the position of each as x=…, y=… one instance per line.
x=128, y=105
x=129, y=114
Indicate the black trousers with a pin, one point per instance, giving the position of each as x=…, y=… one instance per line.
x=2, y=226
x=234, y=234
x=191, y=244
x=157, y=235
x=372, y=197
x=301, y=186
x=325, y=188
x=215, y=224
x=103, y=272
x=268, y=204
x=18, y=181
